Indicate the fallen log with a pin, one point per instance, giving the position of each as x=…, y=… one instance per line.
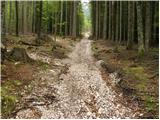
x=30, y=44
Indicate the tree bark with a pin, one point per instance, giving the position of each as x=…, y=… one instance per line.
x=17, y=18
x=97, y=14
x=120, y=22
x=148, y=25
x=66, y=19
x=113, y=20
x=117, y=22
x=74, y=34
x=140, y=28
x=3, y=6
x=110, y=20
x=130, y=12
x=105, y=22
x=61, y=19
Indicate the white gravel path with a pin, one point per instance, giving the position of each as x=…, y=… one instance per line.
x=81, y=92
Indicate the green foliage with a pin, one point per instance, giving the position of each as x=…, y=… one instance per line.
x=53, y=17
x=150, y=103
x=8, y=104
x=8, y=99
x=138, y=72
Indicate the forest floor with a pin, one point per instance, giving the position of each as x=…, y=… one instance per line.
x=68, y=82
x=140, y=73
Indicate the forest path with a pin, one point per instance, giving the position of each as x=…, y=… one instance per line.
x=80, y=92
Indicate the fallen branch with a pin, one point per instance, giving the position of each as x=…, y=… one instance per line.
x=30, y=44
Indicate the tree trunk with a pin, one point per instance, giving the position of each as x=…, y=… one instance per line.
x=61, y=19
x=23, y=17
x=110, y=20
x=148, y=25
x=71, y=17
x=17, y=18
x=10, y=17
x=33, y=17
x=97, y=14
x=3, y=4
x=117, y=22
x=129, y=40
x=66, y=20
x=120, y=22
x=140, y=28
x=38, y=20
x=74, y=34
x=113, y=20
x=133, y=22
x=155, y=22
x=105, y=22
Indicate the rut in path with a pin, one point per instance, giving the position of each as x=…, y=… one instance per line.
x=81, y=92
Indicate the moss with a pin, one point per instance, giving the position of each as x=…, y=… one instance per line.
x=8, y=101
x=138, y=72
x=126, y=63
x=150, y=103
x=116, y=49
x=44, y=66
x=17, y=82
x=9, y=96
x=141, y=51
x=95, y=49
x=8, y=105
x=154, y=50
x=141, y=86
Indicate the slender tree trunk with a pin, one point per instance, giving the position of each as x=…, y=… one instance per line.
x=125, y=21
x=105, y=22
x=110, y=20
x=33, y=17
x=129, y=40
x=40, y=19
x=155, y=23
x=23, y=16
x=66, y=19
x=97, y=14
x=17, y=20
x=113, y=20
x=117, y=22
x=10, y=17
x=120, y=22
x=3, y=5
x=74, y=34
x=71, y=17
x=61, y=19
x=140, y=28
x=133, y=23
x=148, y=25
x=99, y=20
